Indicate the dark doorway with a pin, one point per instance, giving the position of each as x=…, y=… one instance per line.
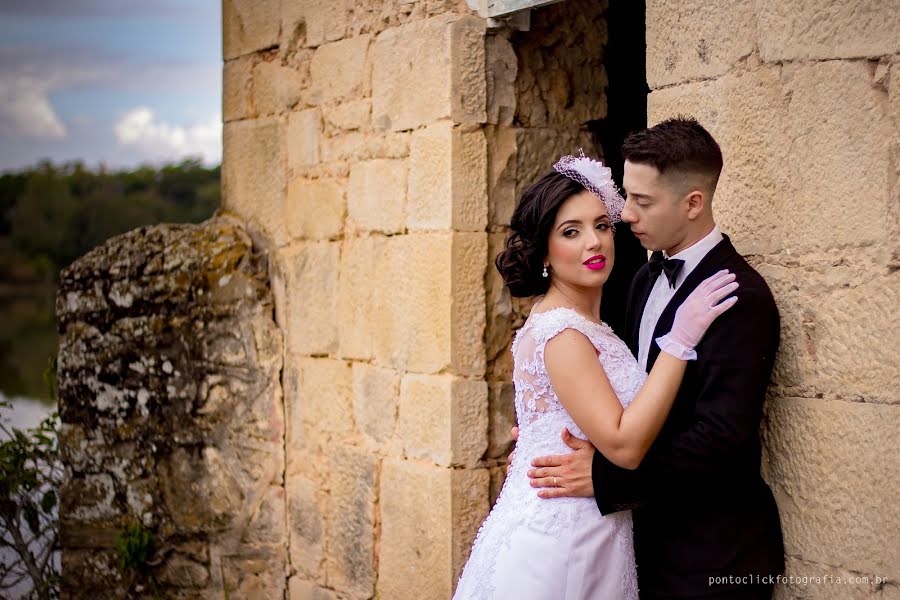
x=626, y=94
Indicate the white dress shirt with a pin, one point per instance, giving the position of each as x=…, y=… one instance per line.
x=662, y=292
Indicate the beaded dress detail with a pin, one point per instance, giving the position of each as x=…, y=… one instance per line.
x=531, y=548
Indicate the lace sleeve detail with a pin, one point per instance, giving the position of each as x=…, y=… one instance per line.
x=534, y=393
x=557, y=320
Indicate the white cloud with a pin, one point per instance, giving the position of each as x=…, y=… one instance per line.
x=160, y=141
x=25, y=109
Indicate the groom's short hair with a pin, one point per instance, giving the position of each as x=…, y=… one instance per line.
x=681, y=145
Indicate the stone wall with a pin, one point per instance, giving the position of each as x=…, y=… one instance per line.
x=804, y=98
x=378, y=149
x=355, y=146
x=171, y=409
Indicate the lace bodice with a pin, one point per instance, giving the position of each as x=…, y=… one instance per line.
x=534, y=393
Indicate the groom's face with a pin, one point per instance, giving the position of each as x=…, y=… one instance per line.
x=653, y=207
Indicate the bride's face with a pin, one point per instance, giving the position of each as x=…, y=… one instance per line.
x=580, y=248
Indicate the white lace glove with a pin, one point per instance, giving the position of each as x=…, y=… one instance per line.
x=697, y=313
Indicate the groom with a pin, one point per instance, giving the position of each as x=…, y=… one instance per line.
x=705, y=523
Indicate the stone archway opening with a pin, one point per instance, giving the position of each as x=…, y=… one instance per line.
x=560, y=77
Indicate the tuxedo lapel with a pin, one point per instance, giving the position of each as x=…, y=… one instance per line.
x=710, y=264
x=640, y=293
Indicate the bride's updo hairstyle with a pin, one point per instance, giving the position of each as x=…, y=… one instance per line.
x=522, y=262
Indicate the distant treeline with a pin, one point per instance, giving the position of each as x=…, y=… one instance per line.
x=52, y=214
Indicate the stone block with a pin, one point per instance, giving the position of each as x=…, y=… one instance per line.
x=350, y=116
x=415, y=327
x=442, y=59
x=321, y=409
x=447, y=179
x=340, y=70
x=90, y=499
x=806, y=580
x=428, y=514
x=304, y=130
x=182, y=572
x=435, y=319
x=538, y=149
x=377, y=195
x=253, y=174
x=276, y=88
x=834, y=470
x=353, y=146
x=501, y=66
x=498, y=478
x=777, y=187
x=499, y=314
x=501, y=419
x=310, y=312
x=311, y=23
x=350, y=521
x=468, y=81
x=360, y=310
x=348, y=146
x=443, y=419
x=200, y=490
x=301, y=589
x=249, y=25
x=467, y=316
x=237, y=80
x=315, y=209
x=376, y=400
x=835, y=310
x=306, y=527
x=812, y=29
x=696, y=39
x=502, y=149
x=268, y=524
x=248, y=576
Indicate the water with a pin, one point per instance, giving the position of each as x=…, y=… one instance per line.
x=28, y=340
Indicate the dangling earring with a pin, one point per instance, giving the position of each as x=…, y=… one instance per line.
x=545, y=274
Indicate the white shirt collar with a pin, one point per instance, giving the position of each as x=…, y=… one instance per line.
x=692, y=255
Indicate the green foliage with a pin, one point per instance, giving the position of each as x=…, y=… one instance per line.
x=50, y=215
x=30, y=475
x=136, y=546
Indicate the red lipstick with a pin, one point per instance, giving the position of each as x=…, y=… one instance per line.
x=596, y=263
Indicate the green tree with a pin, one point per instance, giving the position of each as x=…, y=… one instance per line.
x=30, y=476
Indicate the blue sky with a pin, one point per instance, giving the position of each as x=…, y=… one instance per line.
x=105, y=81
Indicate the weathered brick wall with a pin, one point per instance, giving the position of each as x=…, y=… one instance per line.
x=172, y=419
x=804, y=98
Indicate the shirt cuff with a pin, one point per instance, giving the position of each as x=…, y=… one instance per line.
x=679, y=351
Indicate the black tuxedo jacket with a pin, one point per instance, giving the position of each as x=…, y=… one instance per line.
x=701, y=507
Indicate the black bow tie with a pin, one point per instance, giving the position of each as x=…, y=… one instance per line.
x=671, y=266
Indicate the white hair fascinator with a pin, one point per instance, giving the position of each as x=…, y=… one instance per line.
x=596, y=178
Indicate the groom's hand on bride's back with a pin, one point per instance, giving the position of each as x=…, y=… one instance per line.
x=565, y=474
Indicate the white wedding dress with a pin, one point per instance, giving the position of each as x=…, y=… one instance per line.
x=531, y=548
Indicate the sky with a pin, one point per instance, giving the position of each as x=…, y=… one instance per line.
x=113, y=82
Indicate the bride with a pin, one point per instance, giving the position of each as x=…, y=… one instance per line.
x=570, y=370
